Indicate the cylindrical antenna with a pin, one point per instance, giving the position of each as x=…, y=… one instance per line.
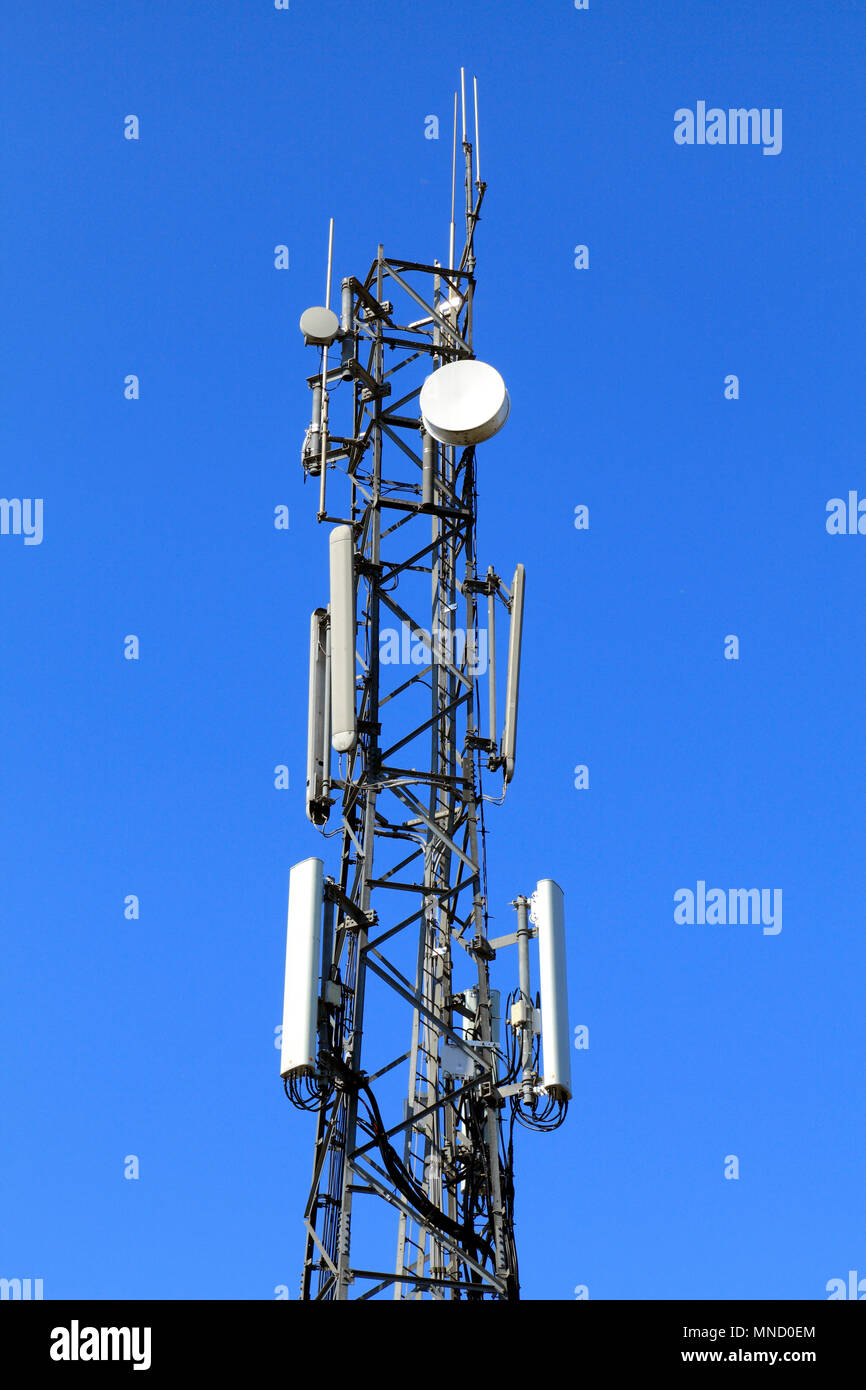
x=318, y=749
x=347, y=324
x=453, y=186
x=477, y=156
x=328, y=940
x=347, y=306
x=549, y=916
x=524, y=1011
x=463, y=101
x=326, y=722
x=323, y=460
x=428, y=469
x=327, y=962
x=330, y=261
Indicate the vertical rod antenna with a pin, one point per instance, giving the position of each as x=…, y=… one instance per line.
x=453, y=185
x=477, y=147
x=330, y=263
x=467, y=176
x=324, y=433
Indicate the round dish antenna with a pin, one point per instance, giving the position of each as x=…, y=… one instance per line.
x=319, y=325
x=464, y=402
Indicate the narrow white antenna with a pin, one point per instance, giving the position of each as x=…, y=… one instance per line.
x=463, y=101
x=477, y=158
x=453, y=179
x=324, y=433
x=330, y=262
x=343, y=718
x=512, y=687
x=549, y=915
x=301, y=995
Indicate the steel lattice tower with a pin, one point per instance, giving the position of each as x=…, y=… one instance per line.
x=406, y=915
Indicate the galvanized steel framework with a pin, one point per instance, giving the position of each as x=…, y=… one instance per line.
x=411, y=831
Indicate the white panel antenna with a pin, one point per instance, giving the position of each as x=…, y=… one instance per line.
x=344, y=729
x=548, y=914
x=512, y=687
x=303, y=946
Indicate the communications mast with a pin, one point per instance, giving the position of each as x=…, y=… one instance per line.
x=392, y=1034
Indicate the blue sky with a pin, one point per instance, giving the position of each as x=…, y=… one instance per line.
x=707, y=518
